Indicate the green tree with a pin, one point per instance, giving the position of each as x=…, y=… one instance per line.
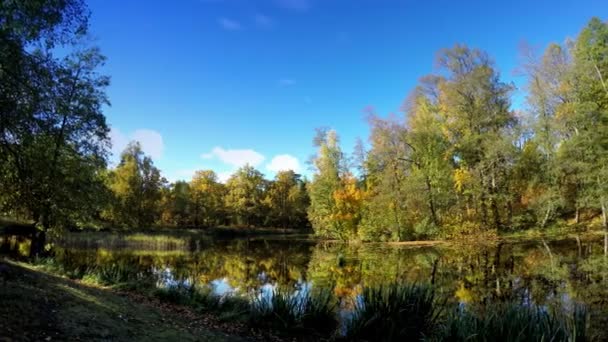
x=287, y=200
x=385, y=215
x=245, y=192
x=136, y=185
x=539, y=176
x=53, y=135
x=587, y=147
x=176, y=204
x=207, y=198
x=478, y=121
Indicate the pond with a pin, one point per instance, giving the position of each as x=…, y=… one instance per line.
x=553, y=273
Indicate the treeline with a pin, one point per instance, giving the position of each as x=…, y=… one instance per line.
x=463, y=161
x=140, y=197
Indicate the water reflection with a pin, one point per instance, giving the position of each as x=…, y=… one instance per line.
x=554, y=274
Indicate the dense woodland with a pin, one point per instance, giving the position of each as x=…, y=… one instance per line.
x=460, y=159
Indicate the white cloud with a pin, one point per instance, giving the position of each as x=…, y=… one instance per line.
x=222, y=177
x=236, y=158
x=263, y=21
x=229, y=24
x=151, y=141
x=295, y=5
x=283, y=162
x=286, y=82
x=119, y=141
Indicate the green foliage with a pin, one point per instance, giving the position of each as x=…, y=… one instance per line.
x=287, y=201
x=53, y=135
x=136, y=186
x=244, y=196
x=207, y=199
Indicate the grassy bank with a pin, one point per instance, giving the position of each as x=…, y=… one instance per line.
x=40, y=306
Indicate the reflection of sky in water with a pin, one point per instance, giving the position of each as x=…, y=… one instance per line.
x=221, y=287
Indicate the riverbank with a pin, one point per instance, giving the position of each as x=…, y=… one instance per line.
x=40, y=306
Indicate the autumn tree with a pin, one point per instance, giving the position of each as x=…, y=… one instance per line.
x=329, y=169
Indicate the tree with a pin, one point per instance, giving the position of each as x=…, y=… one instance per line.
x=136, y=185
x=475, y=106
x=385, y=215
x=329, y=164
x=287, y=200
x=588, y=116
x=244, y=196
x=53, y=134
x=207, y=198
x=539, y=175
x=176, y=204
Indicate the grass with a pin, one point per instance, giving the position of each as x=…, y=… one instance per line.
x=515, y=322
x=394, y=312
x=39, y=306
x=303, y=312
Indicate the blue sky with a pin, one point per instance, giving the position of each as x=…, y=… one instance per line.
x=213, y=84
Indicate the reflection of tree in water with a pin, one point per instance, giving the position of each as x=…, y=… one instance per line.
x=553, y=274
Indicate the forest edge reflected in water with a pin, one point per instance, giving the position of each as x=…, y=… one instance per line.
x=554, y=274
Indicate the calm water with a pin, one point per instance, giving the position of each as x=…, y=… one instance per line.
x=557, y=273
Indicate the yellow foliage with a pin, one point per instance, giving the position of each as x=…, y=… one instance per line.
x=462, y=178
x=463, y=294
x=348, y=200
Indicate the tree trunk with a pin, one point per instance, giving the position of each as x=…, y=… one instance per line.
x=546, y=218
x=605, y=225
x=431, y=203
x=604, y=219
x=39, y=236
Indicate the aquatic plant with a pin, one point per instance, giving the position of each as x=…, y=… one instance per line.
x=514, y=322
x=304, y=311
x=393, y=312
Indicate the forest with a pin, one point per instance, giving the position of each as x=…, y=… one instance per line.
x=460, y=159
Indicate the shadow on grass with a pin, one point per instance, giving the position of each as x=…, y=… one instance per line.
x=37, y=306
